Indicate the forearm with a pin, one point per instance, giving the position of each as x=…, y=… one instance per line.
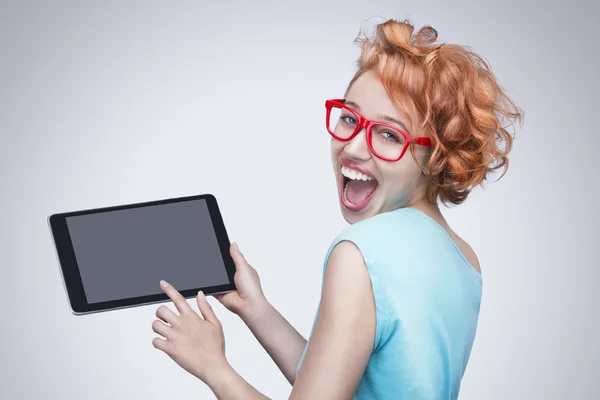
x=229, y=385
x=278, y=337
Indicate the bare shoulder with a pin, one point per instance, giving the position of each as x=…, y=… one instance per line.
x=343, y=334
x=467, y=251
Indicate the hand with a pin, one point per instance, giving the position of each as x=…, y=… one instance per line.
x=249, y=292
x=197, y=344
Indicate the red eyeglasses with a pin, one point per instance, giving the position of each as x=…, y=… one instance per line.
x=385, y=141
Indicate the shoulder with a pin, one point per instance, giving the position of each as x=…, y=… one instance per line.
x=350, y=269
x=344, y=331
x=468, y=252
x=403, y=239
x=401, y=226
x=346, y=259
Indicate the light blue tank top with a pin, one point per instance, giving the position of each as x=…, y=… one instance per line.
x=427, y=299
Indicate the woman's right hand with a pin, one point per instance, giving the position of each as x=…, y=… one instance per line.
x=249, y=294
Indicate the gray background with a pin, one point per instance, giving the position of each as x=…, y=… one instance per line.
x=112, y=102
x=125, y=253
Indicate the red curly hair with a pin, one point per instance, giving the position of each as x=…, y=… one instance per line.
x=457, y=100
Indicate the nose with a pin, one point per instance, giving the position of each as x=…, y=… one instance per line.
x=357, y=147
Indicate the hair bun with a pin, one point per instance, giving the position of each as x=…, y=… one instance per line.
x=427, y=35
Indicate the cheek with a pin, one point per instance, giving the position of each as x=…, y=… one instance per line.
x=402, y=177
x=336, y=147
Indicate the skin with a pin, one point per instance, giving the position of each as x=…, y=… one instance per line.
x=401, y=183
x=344, y=331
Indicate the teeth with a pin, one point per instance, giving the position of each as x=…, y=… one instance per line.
x=354, y=175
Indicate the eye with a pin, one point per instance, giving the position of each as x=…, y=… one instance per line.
x=348, y=119
x=388, y=135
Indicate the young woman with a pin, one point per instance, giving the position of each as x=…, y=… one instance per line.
x=420, y=123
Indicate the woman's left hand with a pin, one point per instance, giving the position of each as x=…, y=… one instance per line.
x=197, y=344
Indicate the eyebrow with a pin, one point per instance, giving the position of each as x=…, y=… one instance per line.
x=381, y=117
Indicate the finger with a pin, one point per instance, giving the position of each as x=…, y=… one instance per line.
x=237, y=255
x=206, y=309
x=182, y=306
x=161, y=344
x=161, y=328
x=163, y=312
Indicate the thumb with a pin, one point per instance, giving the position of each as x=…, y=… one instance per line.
x=206, y=309
x=237, y=255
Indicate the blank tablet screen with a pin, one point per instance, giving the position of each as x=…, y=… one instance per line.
x=125, y=253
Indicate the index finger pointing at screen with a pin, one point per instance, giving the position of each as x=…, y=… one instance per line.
x=179, y=301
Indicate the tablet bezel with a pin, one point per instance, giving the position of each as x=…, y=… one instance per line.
x=71, y=276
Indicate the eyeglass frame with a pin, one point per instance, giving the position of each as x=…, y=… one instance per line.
x=367, y=124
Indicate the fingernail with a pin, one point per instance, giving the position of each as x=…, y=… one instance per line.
x=236, y=246
x=201, y=294
x=163, y=284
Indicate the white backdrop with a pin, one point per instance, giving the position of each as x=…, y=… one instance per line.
x=104, y=103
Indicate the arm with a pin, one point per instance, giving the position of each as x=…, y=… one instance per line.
x=229, y=385
x=281, y=341
x=344, y=333
x=342, y=340
x=277, y=336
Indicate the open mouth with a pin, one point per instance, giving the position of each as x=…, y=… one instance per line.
x=355, y=194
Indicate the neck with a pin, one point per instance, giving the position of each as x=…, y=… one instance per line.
x=431, y=209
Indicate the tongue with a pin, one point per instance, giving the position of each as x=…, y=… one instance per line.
x=357, y=190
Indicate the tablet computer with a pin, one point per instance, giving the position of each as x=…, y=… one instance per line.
x=114, y=257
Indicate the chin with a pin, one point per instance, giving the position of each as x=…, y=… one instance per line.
x=353, y=217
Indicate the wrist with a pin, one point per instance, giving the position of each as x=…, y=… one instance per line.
x=220, y=379
x=256, y=311
x=226, y=383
